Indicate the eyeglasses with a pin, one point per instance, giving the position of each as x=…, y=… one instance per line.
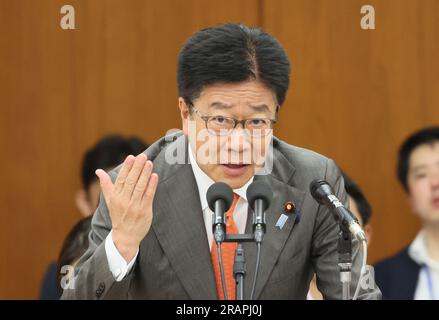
x=224, y=126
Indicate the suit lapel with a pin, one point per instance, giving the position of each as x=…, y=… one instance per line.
x=275, y=238
x=179, y=226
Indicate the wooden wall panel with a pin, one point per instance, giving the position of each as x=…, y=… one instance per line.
x=62, y=90
x=356, y=94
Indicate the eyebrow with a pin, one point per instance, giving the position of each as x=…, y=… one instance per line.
x=223, y=106
x=423, y=166
x=419, y=167
x=260, y=108
x=220, y=105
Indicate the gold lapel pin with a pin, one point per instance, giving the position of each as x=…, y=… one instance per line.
x=289, y=208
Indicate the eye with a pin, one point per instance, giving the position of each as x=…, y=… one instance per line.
x=219, y=119
x=420, y=175
x=257, y=122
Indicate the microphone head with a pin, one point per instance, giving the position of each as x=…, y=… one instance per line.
x=259, y=190
x=320, y=190
x=219, y=191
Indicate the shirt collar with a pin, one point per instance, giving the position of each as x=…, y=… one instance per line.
x=419, y=253
x=204, y=181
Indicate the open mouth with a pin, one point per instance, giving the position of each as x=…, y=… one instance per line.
x=234, y=169
x=436, y=202
x=235, y=166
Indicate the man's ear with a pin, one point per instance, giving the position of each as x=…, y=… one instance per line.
x=368, y=230
x=82, y=203
x=184, y=113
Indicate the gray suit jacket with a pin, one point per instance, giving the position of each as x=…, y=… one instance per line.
x=174, y=260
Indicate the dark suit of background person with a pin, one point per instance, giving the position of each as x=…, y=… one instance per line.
x=413, y=272
x=228, y=75
x=174, y=259
x=397, y=276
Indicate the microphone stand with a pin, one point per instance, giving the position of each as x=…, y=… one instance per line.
x=239, y=268
x=239, y=271
x=345, y=260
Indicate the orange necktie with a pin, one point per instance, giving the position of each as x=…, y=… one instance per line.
x=228, y=255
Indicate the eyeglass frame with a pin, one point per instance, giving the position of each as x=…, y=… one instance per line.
x=243, y=122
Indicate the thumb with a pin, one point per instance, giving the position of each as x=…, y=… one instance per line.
x=105, y=183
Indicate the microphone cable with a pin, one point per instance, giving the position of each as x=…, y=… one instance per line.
x=258, y=259
x=363, y=268
x=223, y=278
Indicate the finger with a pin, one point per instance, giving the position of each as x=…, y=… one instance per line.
x=142, y=183
x=133, y=176
x=148, y=197
x=123, y=173
x=105, y=182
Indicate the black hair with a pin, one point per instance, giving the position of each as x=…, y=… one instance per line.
x=355, y=192
x=109, y=152
x=424, y=136
x=231, y=53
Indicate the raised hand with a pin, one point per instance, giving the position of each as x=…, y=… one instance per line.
x=129, y=201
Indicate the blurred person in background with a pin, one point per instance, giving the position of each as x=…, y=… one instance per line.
x=413, y=273
x=108, y=152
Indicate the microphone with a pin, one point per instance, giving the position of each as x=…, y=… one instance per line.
x=219, y=197
x=323, y=194
x=259, y=196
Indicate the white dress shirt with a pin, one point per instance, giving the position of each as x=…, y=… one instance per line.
x=120, y=268
x=203, y=183
x=427, y=287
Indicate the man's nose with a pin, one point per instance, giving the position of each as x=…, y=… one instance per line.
x=239, y=139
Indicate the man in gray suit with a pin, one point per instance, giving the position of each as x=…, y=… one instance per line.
x=151, y=235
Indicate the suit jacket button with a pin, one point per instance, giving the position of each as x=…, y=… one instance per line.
x=100, y=290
